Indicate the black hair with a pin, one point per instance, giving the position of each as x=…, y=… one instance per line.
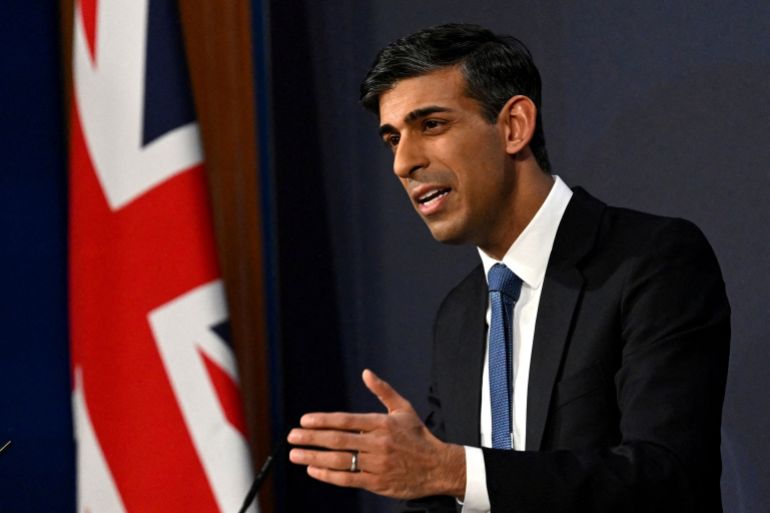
x=495, y=68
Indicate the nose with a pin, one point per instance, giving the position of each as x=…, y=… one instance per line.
x=409, y=157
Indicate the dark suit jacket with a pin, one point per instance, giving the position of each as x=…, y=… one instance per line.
x=627, y=374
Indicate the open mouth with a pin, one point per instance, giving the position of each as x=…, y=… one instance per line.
x=432, y=196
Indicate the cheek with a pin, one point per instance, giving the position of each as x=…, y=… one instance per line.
x=484, y=193
x=481, y=159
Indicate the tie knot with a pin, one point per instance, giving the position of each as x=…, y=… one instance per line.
x=502, y=279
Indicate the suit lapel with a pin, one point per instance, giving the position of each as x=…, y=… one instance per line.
x=469, y=351
x=562, y=289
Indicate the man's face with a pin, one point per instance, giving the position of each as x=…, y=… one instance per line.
x=450, y=160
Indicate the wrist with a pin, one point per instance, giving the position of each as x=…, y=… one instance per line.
x=452, y=471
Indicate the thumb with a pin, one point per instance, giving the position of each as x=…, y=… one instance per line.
x=385, y=393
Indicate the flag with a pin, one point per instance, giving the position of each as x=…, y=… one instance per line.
x=158, y=421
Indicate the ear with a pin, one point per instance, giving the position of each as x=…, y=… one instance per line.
x=517, y=118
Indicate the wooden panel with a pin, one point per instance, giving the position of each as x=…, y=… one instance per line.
x=217, y=37
x=66, y=27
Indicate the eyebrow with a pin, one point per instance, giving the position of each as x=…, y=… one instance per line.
x=414, y=116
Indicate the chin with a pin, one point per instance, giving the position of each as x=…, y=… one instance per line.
x=446, y=235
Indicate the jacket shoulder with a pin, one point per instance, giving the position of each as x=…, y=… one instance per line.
x=473, y=285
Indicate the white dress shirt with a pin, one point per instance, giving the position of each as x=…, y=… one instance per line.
x=528, y=259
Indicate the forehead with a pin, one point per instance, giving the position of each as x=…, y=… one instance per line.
x=445, y=88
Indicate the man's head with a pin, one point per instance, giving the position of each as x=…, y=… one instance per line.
x=495, y=68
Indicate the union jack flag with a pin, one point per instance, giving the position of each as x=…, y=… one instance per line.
x=158, y=421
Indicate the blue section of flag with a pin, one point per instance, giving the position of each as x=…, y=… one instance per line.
x=223, y=332
x=168, y=99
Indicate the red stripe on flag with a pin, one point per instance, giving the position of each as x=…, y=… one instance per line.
x=227, y=392
x=89, y=10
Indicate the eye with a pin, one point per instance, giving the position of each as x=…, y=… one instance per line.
x=391, y=140
x=432, y=125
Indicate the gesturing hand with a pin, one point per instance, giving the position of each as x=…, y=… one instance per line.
x=397, y=455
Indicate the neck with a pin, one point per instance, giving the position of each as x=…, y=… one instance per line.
x=531, y=190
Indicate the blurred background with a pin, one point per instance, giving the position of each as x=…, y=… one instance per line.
x=657, y=106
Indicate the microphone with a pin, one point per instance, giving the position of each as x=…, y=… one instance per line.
x=260, y=477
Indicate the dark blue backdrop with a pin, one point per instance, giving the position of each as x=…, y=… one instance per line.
x=37, y=471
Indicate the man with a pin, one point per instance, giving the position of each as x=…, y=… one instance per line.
x=582, y=365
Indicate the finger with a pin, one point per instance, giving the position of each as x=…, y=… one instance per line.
x=343, y=421
x=341, y=440
x=335, y=460
x=385, y=393
x=341, y=478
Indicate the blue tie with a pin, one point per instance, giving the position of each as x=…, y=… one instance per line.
x=504, y=288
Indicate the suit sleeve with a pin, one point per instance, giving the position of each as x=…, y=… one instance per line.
x=674, y=335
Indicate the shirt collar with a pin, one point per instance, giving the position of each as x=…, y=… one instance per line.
x=528, y=255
